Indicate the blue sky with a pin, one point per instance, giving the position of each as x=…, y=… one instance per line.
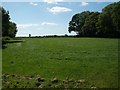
x=47, y=18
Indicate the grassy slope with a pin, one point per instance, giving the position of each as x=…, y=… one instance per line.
x=92, y=59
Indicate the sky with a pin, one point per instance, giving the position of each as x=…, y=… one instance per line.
x=47, y=18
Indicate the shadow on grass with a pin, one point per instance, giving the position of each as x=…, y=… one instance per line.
x=3, y=47
x=9, y=41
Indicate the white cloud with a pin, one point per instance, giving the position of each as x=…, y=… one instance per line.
x=59, y=9
x=84, y=3
x=26, y=25
x=53, y=1
x=48, y=24
x=34, y=4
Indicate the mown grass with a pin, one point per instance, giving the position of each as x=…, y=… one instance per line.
x=94, y=60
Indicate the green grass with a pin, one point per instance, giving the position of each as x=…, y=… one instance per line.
x=93, y=59
x=0, y=68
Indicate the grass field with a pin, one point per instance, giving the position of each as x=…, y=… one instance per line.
x=61, y=62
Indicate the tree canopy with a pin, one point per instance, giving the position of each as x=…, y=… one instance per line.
x=95, y=24
x=9, y=28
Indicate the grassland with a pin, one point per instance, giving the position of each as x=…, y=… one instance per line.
x=77, y=62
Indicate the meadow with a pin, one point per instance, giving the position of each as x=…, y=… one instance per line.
x=61, y=63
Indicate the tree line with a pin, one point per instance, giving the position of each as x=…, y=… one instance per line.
x=9, y=28
x=97, y=24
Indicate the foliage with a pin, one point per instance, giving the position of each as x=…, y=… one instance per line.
x=5, y=21
x=8, y=28
x=109, y=21
x=12, y=29
x=77, y=22
x=89, y=27
x=104, y=24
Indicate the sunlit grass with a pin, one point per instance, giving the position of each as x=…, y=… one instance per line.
x=93, y=59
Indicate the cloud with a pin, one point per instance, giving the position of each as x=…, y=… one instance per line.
x=34, y=4
x=84, y=3
x=48, y=24
x=58, y=9
x=26, y=25
x=52, y=1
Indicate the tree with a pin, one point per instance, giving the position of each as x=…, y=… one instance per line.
x=8, y=28
x=108, y=23
x=5, y=21
x=89, y=27
x=0, y=23
x=116, y=17
x=12, y=29
x=77, y=22
x=104, y=24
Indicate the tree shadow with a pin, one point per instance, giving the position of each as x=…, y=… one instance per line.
x=9, y=41
x=3, y=47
